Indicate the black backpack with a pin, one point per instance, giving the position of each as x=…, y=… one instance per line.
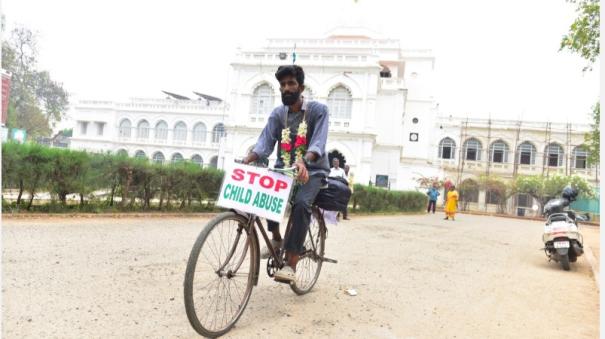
x=335, y=197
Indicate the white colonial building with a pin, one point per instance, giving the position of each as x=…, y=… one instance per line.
x=162, y=130
x=376, y=91
x=383, y=118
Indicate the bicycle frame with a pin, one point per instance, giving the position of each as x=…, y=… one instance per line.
x=253, y=222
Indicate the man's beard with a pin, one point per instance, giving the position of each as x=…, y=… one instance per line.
x=290, y=98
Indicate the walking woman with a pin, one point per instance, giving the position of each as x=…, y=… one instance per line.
x=451, y=204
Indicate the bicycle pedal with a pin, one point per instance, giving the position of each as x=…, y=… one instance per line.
x=289, y=282
x=331, y=261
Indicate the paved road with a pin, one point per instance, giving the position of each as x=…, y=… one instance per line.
x=417, y=277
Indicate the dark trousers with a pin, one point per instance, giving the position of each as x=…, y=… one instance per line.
x=300, y=214
x=432, y=204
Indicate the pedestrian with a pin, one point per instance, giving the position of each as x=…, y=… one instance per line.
x=433, y=193
x=451, y=203
x=336, y=171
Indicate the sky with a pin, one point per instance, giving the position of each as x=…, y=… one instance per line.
x=493, y=58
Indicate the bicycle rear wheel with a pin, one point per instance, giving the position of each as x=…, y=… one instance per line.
x=220, y=274
x=310, y=262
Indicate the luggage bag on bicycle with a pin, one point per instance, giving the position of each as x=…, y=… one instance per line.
x=335, y=197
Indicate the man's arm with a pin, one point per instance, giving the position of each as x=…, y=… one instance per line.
x=266, y=141
x=317, y=144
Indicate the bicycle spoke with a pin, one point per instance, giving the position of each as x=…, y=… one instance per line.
x=221, y=277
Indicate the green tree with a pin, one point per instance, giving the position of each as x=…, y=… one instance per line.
x=584, y=33
x=36, y=102
x=36, y=170
x=583, y=38
x=497, y=186
x=543, y=188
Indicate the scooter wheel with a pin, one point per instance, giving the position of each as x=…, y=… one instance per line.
x=565, y=262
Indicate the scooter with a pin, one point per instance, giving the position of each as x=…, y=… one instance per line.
x=562, y=239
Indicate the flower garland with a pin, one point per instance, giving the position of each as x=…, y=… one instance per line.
x=300, y=144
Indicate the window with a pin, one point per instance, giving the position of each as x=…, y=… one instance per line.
x=143, y=130
x=100, y=128
x=83, y=127
x=499, y=152
x=447, y=148
x=526, y=154
x=177, y=157
x=262, y=100
x=125, y=127
x=472, y=150
x=161, y=130
x=140, y=154
x=339, y=103
x=199, y=133
x=122, y=153
x=580, y=157
x=214, y=162
x=180, y=132
x=197, y=159
x=493, y=197
x=524, y=200
x=218, y=132
x=554, y=155
x=158, y=158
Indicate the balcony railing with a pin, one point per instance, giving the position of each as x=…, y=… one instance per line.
x=168, y=142
x=392, y=84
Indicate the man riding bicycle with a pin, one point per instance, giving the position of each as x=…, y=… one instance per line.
x=300, y=128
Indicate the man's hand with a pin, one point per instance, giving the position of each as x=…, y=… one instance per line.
x=303, y=174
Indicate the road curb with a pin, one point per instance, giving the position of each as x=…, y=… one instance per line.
x=17, y=216
x=594, y=265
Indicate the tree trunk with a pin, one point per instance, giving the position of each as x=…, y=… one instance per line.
x=126, y=187
x=20, y=191
x=161, y=199
x=81, y=199
x=113, y=192
x=31, y=200
x=63, y=198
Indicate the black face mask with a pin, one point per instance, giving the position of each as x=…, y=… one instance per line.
x=289, y=98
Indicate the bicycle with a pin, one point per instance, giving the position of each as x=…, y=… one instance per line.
x=236, y=266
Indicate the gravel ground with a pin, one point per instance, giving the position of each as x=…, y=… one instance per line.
x=416, y=277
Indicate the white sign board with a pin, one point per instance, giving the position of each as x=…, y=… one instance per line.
x=255, y=190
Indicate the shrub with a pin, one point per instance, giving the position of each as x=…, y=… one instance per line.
x=372, y=199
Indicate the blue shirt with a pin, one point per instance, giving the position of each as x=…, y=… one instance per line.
x=433, y=193
x=317, y=133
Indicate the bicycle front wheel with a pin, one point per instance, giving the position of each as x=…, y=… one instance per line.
x=220, y=274
x=311, y=260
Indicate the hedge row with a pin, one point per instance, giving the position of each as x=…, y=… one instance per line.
x=107, y=182
x=114, y=181
x=373, y=199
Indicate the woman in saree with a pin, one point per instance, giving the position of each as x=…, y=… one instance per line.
x=451, y=203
